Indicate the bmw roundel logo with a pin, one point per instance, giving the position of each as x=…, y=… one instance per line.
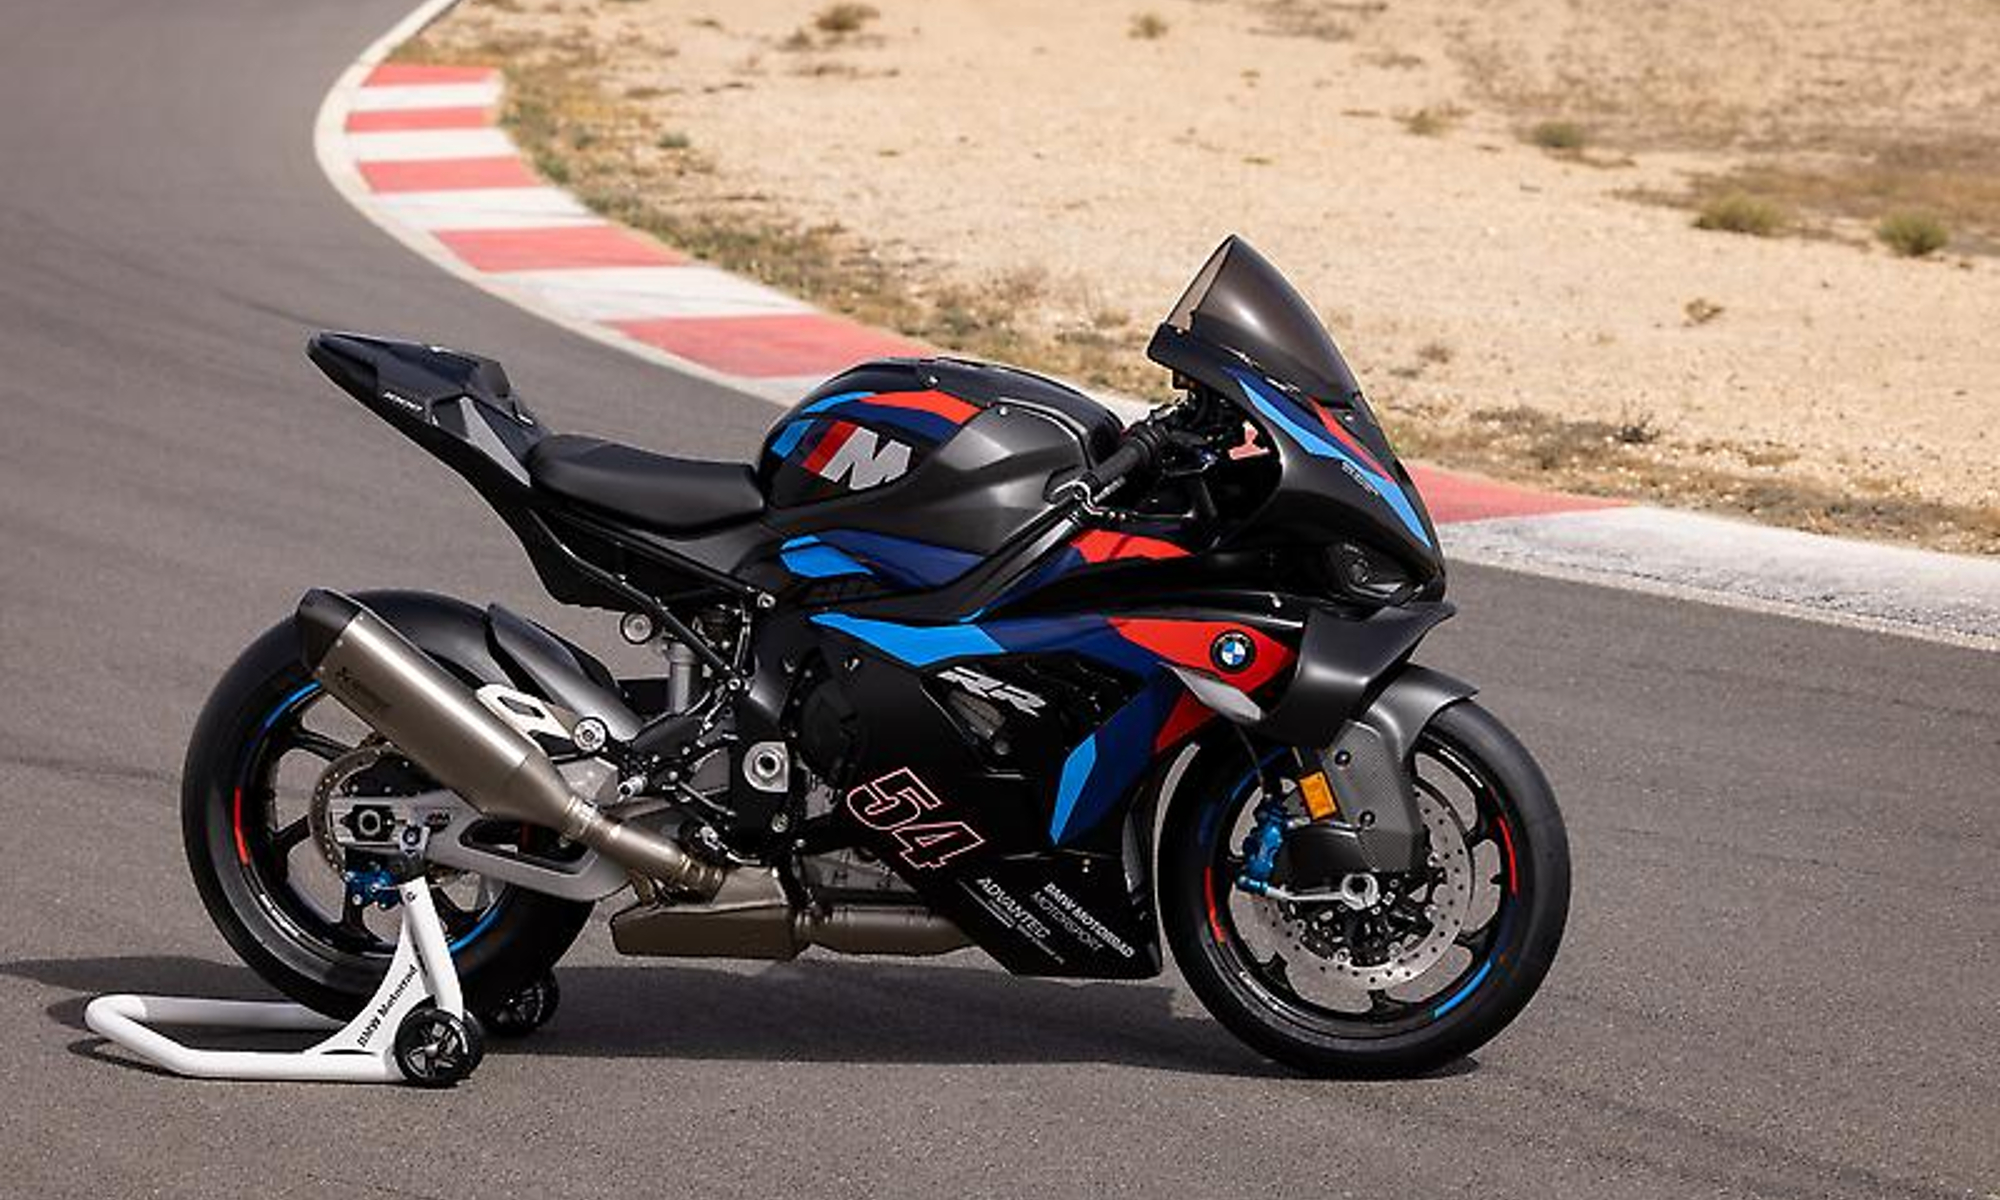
x=1232, y=651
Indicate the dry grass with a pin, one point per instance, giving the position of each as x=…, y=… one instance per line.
x=839, y=20
x=1432, y=120
x=1631, y=457
x=1741, y=212
x=1957, y=188
x=1913, y=234
x=1312, y=19
x=1563, y=137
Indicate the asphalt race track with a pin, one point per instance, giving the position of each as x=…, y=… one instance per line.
x=1781, y=970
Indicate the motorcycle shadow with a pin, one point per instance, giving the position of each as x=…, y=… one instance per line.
x=843, y=1011
x=815, y=1010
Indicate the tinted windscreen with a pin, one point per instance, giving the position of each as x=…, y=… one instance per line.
x=1239, y=302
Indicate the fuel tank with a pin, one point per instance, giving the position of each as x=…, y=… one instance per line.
x=911, y=470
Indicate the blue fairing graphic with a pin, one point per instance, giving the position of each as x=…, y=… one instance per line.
x=902, y=560
x=809, y=558
x=1317, y=443
x=1105, y=765
x=1118, y=754
x=926, y=427
x=916, y=645
x=788, y=440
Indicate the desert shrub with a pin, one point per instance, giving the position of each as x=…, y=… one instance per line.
x=1913, y=234
x=1148, y=26
x=1430, y=122
x=1740, y=212
x=1558, y=135
x=840, y=19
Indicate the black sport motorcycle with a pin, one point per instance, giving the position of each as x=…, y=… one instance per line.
x=929, y=672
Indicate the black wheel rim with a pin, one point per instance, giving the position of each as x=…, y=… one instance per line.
x=1239, y=929
x=291, y=882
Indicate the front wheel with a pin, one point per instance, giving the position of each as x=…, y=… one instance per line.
x=1436, y=964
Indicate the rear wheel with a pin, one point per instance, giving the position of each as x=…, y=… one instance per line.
x=265, y=739
x=1434, y=964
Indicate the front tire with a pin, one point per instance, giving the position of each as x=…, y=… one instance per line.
x=1240, y=953
x=264, y=734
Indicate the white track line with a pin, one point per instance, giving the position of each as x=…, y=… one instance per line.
x=424, y=95
x=480, y=208
x=420, y=144
x=1893, y=589
x=632, y=293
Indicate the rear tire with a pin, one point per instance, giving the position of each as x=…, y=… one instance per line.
x=516, y=940
x=1200, y=907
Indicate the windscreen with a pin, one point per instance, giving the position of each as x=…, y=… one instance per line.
x=1239, y=302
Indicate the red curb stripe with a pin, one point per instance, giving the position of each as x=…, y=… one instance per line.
x=767, y=347
x=447, y=174
x=398, y=119
x=557, y=248
x=406, y=74
x=1453, y=497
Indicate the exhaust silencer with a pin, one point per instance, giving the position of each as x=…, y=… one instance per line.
x=404, y=695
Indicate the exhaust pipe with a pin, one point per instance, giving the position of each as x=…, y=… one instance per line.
x=752, y=917
x=404, y=695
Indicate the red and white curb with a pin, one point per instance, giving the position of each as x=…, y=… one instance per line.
x=416, y=149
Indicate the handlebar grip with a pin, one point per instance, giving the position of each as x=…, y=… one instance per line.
x=1130, y=455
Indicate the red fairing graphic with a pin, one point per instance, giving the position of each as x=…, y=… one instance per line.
x=942, y=404
x=1102, y=546
x=1186, y=643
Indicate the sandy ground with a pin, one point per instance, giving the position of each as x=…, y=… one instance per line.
x=1465, y=272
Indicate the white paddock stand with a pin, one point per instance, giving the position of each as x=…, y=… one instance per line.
x=441, y=1045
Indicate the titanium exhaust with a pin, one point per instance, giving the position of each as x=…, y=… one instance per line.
x=404, y=695
x=752, y=917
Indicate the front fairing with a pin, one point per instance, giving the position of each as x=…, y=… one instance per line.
x=1249, y=337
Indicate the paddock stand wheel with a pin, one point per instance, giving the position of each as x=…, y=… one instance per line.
x=526, y=1010
x=413, y=1029
x=435, y=1049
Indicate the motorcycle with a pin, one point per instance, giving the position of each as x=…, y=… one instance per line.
x=962, y=660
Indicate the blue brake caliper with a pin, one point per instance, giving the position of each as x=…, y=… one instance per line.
x=1260, y=846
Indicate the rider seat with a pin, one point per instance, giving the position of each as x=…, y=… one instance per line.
x=670, y=495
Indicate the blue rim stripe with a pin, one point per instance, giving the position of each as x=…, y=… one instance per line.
x=285, y=706
x=485, y=921
x=1459, y=996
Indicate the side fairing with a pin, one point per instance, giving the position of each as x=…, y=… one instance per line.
x=998, y=763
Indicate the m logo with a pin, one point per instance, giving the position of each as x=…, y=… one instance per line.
x=860, y=459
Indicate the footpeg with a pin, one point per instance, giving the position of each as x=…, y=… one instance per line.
x=414, y=1028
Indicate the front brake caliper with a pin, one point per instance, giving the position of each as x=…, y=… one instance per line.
x=1267, y=836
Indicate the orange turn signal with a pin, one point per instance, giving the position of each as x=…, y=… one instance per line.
x=1318, y=796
